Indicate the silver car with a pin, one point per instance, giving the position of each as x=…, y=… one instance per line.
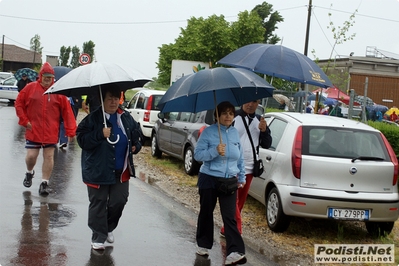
x=327, y=167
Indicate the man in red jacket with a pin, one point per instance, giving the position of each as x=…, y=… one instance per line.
x=40, y=114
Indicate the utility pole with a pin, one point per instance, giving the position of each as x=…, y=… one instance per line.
x=305, y=52
x=2, y=55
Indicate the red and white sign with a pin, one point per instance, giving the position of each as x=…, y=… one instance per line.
x=84, y=59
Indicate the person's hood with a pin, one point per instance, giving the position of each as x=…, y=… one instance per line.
x=46, y=68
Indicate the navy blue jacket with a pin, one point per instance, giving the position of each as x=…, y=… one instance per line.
x=98, y=155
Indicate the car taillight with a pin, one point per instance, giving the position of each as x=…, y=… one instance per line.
x=146, y=117
x=394, y=160
x=149, y=103
x=296, y=159
x=200, y=130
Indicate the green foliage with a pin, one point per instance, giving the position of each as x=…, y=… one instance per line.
x=88, y=48
x=390, y=131
x=208, y=40
x=64, y=55
x=75, y=57
x=35, y=44
x=269, y=21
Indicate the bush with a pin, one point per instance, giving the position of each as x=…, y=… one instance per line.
x=390, y=131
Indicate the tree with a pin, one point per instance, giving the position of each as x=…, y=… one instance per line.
x=208, y=40
x=35, y=44
x=75, y=57
x=88, y=48
x=64, y=55
x=269, y=21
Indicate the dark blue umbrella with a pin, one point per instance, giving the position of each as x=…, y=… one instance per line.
x=207, y=88
x=312, y=97
x=277, y=61
x=302, y=94
x=330, y=101
x=377, y=107
x=30, y=73
x=60, y=71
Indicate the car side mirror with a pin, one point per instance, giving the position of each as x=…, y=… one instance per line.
x=161, y=116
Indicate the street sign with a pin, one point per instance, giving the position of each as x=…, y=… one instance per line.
x=84, y=59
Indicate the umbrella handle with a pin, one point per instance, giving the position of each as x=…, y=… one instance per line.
x=105, y=120
x=113, y=142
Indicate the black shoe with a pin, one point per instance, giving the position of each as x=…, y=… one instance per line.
x=28, y=179
x=43, y=189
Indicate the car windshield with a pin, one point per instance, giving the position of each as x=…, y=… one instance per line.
x=336, y=142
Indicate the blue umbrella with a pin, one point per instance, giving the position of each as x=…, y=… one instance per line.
x=205, y=89
x=330, y=101
x=277, y=61
x=312, y=97
x=30, y=73
x=60, y=71
x=302, y=94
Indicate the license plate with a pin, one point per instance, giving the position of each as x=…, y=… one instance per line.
x=348, y=214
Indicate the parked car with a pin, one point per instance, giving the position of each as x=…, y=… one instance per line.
x=177, y=133
x=327, y=167
x=5, y=75
x=9, y=89
x=143, y=108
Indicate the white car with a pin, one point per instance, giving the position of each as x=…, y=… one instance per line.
x=9, y=89
x=327, y=167
x=143, y=108
x=5, y=75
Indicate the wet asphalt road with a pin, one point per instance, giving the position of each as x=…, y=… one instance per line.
x=35, y=230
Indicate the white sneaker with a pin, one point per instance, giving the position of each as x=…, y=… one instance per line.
x=235, y=258
x=110, y=238
x=202, y=251
x=98, y=246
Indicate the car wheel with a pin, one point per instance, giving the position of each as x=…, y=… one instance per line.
x=377, y=229
x=191, y=166
x=276, y=219
x=155, y=151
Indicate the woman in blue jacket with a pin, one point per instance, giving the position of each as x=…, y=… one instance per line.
x=221, y=173
x=106, y=167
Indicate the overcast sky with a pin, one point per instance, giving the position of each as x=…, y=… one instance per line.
x=130, y=32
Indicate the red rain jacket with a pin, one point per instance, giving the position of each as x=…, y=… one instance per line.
x=44, y=111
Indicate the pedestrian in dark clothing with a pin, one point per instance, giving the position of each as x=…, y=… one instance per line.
x=106, y=167
x=22, y=82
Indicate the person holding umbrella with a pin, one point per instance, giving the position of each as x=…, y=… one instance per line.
x=40, y=115
x=107, y=166
x=221, y=174
x=22, y=82
x=261, y=136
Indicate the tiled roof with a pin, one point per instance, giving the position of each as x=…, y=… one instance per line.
x=14, y=53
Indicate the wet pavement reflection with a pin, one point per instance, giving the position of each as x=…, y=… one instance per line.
x=48, y=231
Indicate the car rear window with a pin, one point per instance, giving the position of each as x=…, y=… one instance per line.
x=343, y=143
x=155, y=101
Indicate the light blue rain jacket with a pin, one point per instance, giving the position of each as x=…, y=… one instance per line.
x=230, y=165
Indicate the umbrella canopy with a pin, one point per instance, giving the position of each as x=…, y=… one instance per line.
x=277, y=61
x=337, y=94
x=312, y=97
x=281, y=98
x=359, y=99
x=87, y=79
x=205, y=89
x=330, y=101
x=302, y=94
x=30, y=73
x=391, y=110
x=90, y=78
x=60, y=71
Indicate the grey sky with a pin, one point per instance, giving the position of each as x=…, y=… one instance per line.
x=130, y=32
